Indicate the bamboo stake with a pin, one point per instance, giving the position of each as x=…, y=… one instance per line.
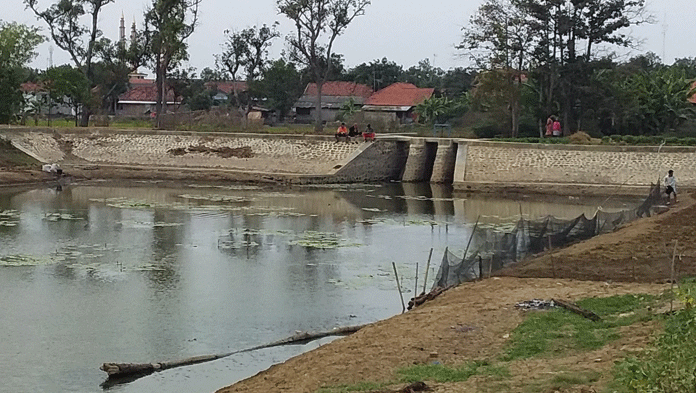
x=671, y=275
x=472, y=236
x=427, y=269
x=553, y=263
x=398, y=286
x=415, y=292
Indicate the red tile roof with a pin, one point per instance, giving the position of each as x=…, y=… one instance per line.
x=339, y=89
x=400, y=94
x=140, y=81
x=31, y=87
x=227, y=87
x=692, y=99
x=144, y=93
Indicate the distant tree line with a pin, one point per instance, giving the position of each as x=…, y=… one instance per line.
x=532, y=59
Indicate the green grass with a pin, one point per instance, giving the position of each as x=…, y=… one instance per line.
x=557, y=331
x=10, y=157
x=668, y=364
x=563, y=381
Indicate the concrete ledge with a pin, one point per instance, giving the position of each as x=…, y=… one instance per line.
x=564, y=189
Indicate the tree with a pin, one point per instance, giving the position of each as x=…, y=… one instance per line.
x=281, y=85
x=63, y=20
x=499, y=39
x=318, y=23
x=17, y=47
x=566, y=35
x=68, y=86
x=424, y=75
x=168, y=24
x=377, y=74
x=247, y=50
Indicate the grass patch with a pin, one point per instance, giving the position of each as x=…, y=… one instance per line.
x=557, y=331
x=669, y=364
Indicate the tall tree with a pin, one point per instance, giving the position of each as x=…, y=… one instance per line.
x=318, y=23
x=499, y=38
x=168, y=24
x=247, y=50
x=17, y=47
x=68, y=86
x=567, y=35
x=64, y=22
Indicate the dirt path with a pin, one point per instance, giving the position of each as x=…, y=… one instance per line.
x=474, y=320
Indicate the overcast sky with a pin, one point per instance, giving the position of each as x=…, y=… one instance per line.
x=404, y=31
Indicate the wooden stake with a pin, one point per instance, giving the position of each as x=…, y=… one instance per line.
x=427, y=269
x=553, y=263
x=398, y=286
x=415, y=292
x=671, y=275
x=471, y=237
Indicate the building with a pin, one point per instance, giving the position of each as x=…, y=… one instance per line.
x=36, y=101
x=395, y=103
x=334, y=95
x=141, y=98
x=225, y=89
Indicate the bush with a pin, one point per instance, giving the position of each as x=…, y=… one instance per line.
x=488, y=130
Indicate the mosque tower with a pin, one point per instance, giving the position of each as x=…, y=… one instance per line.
x=122, y=31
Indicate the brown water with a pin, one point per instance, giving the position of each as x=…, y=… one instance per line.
x=148, y=272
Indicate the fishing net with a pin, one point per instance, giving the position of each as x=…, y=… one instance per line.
x=493, y=249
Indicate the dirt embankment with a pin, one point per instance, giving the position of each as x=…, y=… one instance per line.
x=474, y=320
x=17, y=167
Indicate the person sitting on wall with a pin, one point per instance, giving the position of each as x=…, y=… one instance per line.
x=342, y=132
x=556, y=128
x=353, y=131
x=369, y=134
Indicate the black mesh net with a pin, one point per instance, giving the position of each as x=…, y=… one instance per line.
x=494, y=249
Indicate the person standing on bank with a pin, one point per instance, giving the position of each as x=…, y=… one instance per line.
x=556, y=127
x=671, y=186
x=549, y=127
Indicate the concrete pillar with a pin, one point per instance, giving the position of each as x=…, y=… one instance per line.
x=417, y=162
x=460, y=163
x=443, y=170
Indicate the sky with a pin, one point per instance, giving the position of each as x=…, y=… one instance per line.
x=404, y=31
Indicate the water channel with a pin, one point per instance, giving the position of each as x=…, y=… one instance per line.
x=142, y=272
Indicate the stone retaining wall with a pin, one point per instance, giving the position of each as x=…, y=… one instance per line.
x=489, y=162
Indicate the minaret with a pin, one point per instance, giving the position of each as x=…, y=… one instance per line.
x=132, y=37
x=122, y=30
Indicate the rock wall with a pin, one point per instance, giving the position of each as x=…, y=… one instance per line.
x=512, y=163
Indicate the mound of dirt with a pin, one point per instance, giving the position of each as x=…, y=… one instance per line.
x=223, y=152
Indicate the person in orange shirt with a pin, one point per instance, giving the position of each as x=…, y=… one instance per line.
x=342, y=132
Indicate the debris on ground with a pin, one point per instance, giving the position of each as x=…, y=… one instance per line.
x=536, y=304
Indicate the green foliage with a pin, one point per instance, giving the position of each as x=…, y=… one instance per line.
x=669, y=365
x=68, y=86
x=17, y=47
x=440, y=109
x=280, y=86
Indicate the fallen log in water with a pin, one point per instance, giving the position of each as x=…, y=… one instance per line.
x=130, y=371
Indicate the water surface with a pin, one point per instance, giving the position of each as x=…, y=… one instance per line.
x=149, y=272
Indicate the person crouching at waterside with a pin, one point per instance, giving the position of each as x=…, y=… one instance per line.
x=342, y=132
x=671, y=186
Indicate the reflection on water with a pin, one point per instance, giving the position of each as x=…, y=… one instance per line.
x=105, y=272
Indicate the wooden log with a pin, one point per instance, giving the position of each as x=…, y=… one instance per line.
x=130, y=371
x=572, y=307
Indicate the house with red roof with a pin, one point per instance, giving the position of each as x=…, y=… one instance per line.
x=395, y=103
x=141, y=98
x=692, y=99
x=334, y=95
